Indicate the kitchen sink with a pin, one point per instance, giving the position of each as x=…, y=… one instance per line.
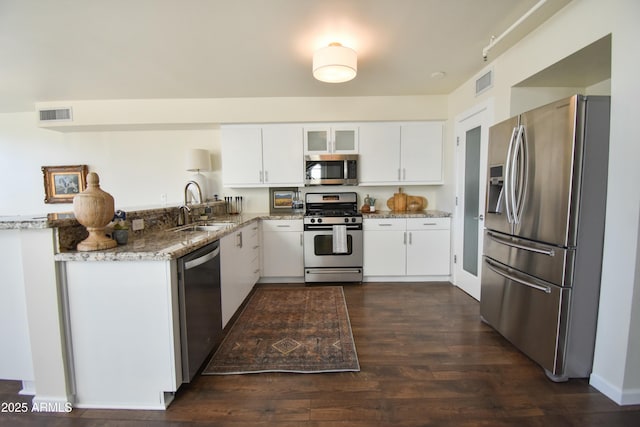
x=210, y=226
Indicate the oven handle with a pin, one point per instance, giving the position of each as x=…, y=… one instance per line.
x=308, y=227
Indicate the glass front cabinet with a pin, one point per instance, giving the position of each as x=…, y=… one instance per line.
x=338, y=139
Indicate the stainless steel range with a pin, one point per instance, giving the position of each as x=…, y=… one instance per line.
x=332, y=238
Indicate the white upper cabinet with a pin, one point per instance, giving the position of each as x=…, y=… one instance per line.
x=282, y=156
x=241, y=156
x=379, y=160
x=422, y=153
x=401, y=153
x=331, y=139
x=262, y=156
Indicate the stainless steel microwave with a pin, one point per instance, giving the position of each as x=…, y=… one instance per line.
x=331, y=169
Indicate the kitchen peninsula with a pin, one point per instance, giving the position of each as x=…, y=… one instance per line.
x=102, y=327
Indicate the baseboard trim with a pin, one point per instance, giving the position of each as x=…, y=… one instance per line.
x=619, y=396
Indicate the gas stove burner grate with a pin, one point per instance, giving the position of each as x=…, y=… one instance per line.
x=333, y=213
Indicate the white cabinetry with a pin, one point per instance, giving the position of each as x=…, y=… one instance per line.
x=15, y=356
x=262, y=156
x=401, y=153
x=331, y=139
x=282, y=250
x=413, y=247
x=240, y=268
x=384, y=247
x=124, y=333
x=428, y=246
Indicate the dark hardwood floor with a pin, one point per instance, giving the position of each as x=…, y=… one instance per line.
x=425, y=357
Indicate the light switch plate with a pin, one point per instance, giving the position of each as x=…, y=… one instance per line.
x=137, y=224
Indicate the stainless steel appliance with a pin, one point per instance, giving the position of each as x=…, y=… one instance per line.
x=200, y=307
x=546, y=191
x=332, y=238
x=331, y=169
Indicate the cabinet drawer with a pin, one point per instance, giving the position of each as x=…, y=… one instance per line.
x=282, y=225
x=384, y=224
x=428, y=223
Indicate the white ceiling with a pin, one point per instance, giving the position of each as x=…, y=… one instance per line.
x=133, y=49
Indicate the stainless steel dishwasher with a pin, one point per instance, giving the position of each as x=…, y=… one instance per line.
x=200, y=306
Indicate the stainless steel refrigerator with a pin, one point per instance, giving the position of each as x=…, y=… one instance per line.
x=544, y=228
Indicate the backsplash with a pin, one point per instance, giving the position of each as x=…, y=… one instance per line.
x=70, y=232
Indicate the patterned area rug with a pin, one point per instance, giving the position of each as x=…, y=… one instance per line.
x=302, y=330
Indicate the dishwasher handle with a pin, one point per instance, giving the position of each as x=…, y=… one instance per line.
x=201, y=260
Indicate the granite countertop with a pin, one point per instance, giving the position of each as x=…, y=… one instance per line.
x=22, y=222
x=165, y=245
x=431, y=213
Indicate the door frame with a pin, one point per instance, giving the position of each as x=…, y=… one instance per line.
x=479, y=115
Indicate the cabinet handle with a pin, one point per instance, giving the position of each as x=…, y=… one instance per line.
x=410, y=238
x=283, y=226
x=405, y=237
x=266, y=176
x=385, y=224
x=239, y=239
x=404, y=174
x=398, y=174
x=429, y=223
x=301, y=240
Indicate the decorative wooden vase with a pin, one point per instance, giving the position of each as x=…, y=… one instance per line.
x=94, y=209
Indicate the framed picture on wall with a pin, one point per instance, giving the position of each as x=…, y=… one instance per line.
x=282, y=200
x=62, y=183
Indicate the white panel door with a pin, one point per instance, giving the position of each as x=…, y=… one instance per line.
x=472, y=136
x=384, y=247
x=282, y=250
x=422, y=151
x=428, y=253
x=379, y=162
x=241, y=156
x=283, y=155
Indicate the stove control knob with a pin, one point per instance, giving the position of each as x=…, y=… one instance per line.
x=313, y=220
x=353, y=220
x=319, y=220
x=346, y=220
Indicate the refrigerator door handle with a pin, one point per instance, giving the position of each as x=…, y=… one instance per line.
x=519, y=172
x=507, y=177
x=496, y=269
x=547, y=252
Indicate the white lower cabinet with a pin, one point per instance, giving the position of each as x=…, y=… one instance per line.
x=398, y=247
x=282, y=249
x=384, y=247
x=124, y=333
x=239, y=268
x=428, y=246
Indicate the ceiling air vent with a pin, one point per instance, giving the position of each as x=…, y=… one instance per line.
x=55, y=115
x=484, y=82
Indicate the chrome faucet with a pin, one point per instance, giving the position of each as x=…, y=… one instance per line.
x=186, y=191
x=184, y=210
x=183, y=215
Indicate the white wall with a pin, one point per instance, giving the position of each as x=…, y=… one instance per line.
x=138, y=166
x=616, y=370
x=135, y=167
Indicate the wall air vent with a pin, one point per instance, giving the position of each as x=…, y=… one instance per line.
x=484, y=82
x=55, y=115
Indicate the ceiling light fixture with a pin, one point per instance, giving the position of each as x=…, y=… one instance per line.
x=335, y=63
